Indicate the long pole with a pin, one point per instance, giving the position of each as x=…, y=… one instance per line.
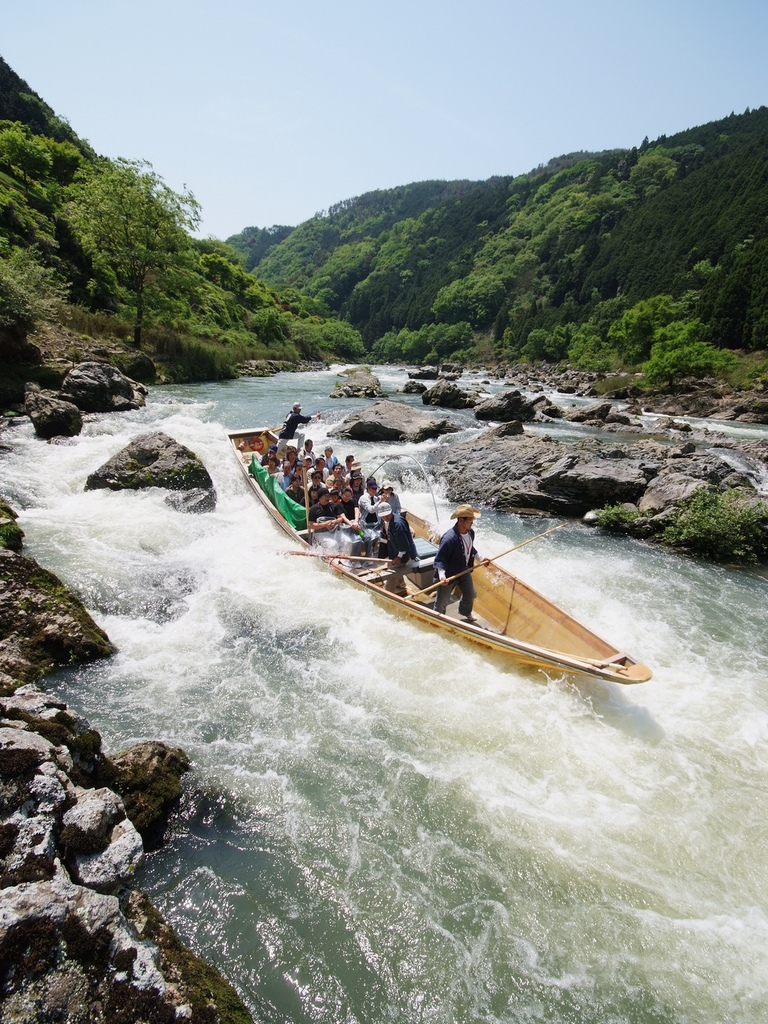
x=333, y=557
x=306, y=500
x=450, y=579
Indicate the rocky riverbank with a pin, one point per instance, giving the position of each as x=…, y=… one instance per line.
x=77, y=941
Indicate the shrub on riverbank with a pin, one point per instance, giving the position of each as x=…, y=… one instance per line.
x=721, y=526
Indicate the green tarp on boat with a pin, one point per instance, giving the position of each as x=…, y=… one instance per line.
x=295, y=514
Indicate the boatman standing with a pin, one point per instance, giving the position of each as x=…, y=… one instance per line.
x=288, y=430
x=456, y=553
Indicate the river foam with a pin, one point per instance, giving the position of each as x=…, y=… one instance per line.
x=397, y=826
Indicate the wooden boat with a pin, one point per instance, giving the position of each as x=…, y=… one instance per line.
x=512, y=618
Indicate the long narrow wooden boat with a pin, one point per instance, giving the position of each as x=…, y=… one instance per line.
x=512, y=618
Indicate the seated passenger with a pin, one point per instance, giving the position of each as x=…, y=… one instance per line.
x=320, y=464
x=356, y=483
x=368, y=518
x=330, y=458
x=272, y=450
x=387, y=493
x=349, y=507
x=337, y=476
x=295, y=489
x=284, y=478
x=321, y=515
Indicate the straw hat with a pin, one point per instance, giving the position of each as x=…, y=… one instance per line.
x=462, y=511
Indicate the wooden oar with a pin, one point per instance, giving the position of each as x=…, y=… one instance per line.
x=495, y=558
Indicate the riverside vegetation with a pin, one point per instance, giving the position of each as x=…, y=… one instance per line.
x=653, y=258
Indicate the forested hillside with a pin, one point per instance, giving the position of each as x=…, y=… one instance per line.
x=654, y=258
x=595, y=257
x=106, y=248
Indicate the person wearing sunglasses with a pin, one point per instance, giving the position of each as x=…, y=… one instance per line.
x=456, y=553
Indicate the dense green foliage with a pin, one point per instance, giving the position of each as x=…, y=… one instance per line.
x=658, y=255
x=721, y=526
x=616, y=518
x=654, y=258
x=113, y=239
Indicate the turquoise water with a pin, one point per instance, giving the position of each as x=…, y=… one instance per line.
x=384, y=824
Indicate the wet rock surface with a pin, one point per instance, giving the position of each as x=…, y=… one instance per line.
x=392, y=421
x=540, y=474
x=358, y=383
x=76, y=942
x=157, y=460
x=51, y=415
x=101, y=387
x=42, y=623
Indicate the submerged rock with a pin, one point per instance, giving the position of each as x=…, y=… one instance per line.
x=157, y=460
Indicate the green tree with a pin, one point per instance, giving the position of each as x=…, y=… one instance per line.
x=24, y=152
x=679, y=352
x=29, y=292
x=633, y=335
x=133, y=226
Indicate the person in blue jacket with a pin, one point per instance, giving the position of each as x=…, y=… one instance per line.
x=456, y=553
x=288, y=429
x=401, y=548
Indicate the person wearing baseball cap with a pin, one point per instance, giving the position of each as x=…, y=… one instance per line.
x=457, y=553
x=288, y=430
x=400, y=546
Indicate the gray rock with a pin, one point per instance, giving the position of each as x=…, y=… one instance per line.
x=595, y=411
x=42, y=624
x=88, y=825
x=448, y=395
x=424, y=373
x=359, y=383
x=506, y=406
x=391, y=421
x=667, y=489
x=108, y=870
x=51, y=415
x=99, y=387
x=154, y=460
x=413, y=387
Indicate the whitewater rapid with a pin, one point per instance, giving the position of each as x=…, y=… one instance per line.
x=384, y=824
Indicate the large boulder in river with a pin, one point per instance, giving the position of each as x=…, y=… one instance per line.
x=99, y=387
x=359, y=383
x=506, y=406
x=156, y=460
x=42, y=624
x=449, y=396
x=528, y=473
x=51, y=415
x=391, y=421
x=594, y=412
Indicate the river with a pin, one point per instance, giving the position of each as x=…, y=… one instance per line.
x=382, y=823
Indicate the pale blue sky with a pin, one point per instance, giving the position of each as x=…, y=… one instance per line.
x=270, y=112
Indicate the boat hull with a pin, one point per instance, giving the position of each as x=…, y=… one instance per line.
x=513, y=619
